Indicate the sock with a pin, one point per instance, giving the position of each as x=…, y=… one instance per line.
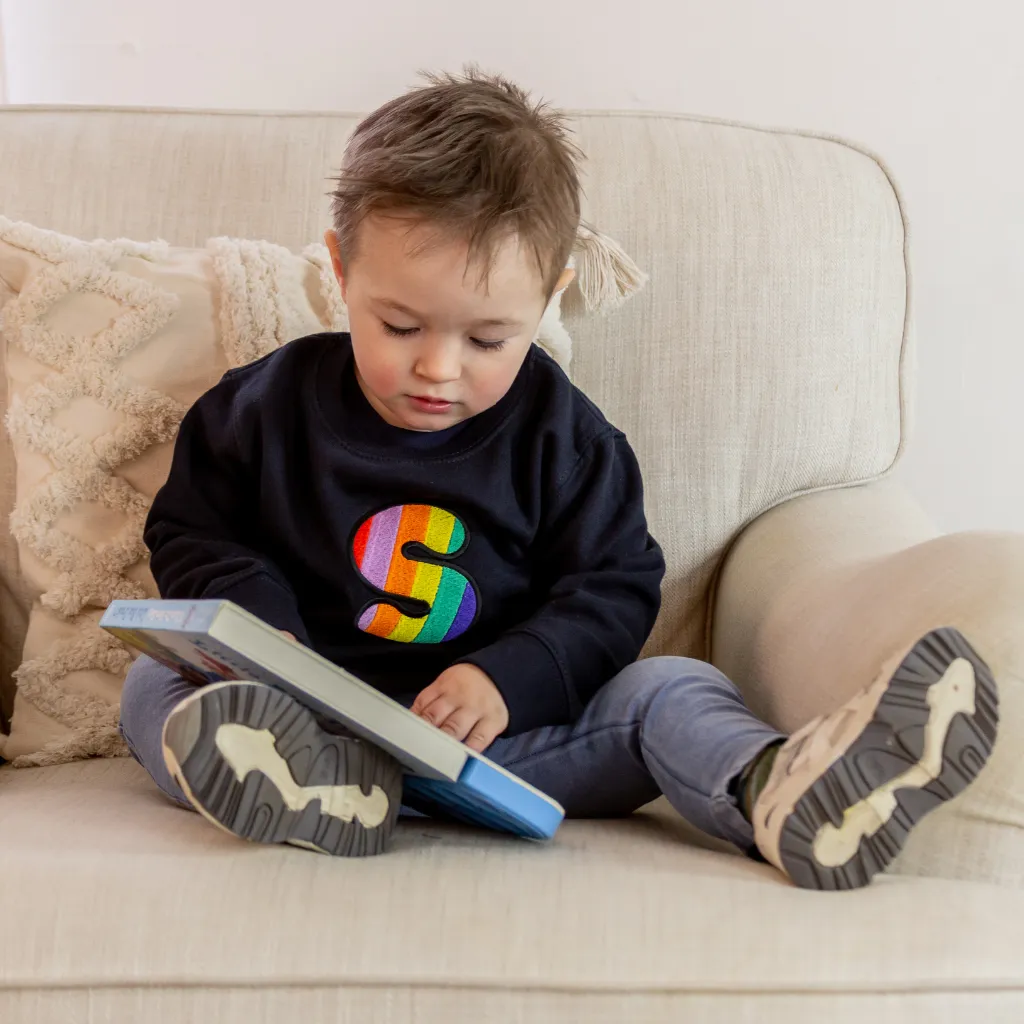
x=754, y=777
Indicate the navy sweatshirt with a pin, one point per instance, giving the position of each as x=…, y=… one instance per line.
x=515, y=541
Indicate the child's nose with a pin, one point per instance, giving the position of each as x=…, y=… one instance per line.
x=440, y=360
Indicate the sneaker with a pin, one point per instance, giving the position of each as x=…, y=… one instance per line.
x=846, y=790
x=255, y=762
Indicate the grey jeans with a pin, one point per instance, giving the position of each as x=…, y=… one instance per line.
x=671, y=726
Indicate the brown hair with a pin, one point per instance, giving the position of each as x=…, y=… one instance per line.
x=474, y=154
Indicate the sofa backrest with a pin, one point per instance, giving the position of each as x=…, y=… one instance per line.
x=765, y=358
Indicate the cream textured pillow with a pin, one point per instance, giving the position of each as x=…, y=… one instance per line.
x=107, y=344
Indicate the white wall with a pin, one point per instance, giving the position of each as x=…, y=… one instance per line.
x=936, y=86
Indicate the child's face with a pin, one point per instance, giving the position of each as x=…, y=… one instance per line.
x=433, y=343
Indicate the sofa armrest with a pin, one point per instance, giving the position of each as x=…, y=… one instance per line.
x=819, y=592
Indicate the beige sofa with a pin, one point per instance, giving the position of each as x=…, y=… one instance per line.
x=764, y=377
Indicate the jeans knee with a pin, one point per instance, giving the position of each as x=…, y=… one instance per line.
x=141, y=694
x=646, y=680
x=132, y=698
x=130, y=694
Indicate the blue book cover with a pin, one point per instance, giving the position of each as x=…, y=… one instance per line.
x=211, y=641
x=485, y=794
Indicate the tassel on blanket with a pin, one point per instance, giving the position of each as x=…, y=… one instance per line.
x=605, y=274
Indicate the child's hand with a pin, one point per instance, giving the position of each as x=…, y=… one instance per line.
x=464, y=702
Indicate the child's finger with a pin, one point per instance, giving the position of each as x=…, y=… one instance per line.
x=438, y=710
x=483, y=734
x=425, y=697
x=460, y=723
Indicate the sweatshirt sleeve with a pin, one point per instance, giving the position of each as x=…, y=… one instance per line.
x=603, y=574
x=201, y=530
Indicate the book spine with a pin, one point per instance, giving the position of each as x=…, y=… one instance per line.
x=178, y=616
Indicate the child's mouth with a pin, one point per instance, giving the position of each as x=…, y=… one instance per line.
x=433, y=405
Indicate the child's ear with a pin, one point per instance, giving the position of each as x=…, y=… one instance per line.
x=564, y=280
x=331, y=241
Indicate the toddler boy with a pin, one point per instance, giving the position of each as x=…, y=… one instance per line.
x=429, y=502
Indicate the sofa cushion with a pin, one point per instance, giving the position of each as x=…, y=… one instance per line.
x=116, y=899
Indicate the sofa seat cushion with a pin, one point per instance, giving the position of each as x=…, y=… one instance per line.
x=112, y=897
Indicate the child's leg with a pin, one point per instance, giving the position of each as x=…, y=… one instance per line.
x=831, y=806
x=665, y=725
x=151, y=692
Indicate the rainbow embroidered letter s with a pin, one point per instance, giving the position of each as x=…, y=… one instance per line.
x=379, y=551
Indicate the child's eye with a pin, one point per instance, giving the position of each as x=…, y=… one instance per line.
x=490, y=346
x=398, y=332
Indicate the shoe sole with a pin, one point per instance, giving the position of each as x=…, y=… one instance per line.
x=254, y=762
x=931, y=733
